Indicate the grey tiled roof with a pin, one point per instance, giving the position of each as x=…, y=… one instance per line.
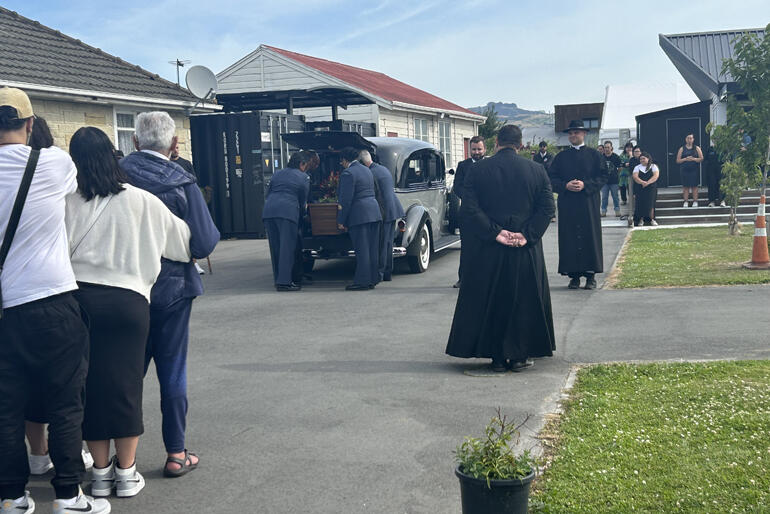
x=708, y=49
x=33, y=53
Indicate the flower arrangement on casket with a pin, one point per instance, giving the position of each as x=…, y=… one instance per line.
x=329, y=187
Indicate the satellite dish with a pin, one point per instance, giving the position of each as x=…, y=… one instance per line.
x=201, y=82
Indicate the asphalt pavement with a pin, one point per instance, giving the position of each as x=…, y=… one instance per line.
x=327, y=401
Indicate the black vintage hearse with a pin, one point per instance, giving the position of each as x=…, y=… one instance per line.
x=419, y=178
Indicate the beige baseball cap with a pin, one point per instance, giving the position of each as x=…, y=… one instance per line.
x=18, y=99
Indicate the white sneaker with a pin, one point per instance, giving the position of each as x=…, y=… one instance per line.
x=81, y=503
x=39, y=464
x=695, y=204
x=653, y=223
x=200, y=270
x=712, y=204
x=722, y=204
x=88, y=461
x=103, y=480
x=128, y=482
x=23, y=505
x=684, y=204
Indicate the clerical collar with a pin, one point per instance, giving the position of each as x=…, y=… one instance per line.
x=578, y=147
x=543, y=154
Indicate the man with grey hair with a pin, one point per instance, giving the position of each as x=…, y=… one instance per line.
x=391, y=210
x=178, y=284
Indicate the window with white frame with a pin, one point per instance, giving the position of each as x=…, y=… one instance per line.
x=421, y=129
x=445, y=140
x=124, y=131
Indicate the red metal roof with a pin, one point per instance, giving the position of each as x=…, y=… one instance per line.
x=373, y=82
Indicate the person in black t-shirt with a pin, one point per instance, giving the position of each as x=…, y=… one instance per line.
x=612, y=166
x=184, y=163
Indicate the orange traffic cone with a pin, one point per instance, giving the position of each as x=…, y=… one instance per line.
x=759, y=255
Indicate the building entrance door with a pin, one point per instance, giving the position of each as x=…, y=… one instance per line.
x=676, y=130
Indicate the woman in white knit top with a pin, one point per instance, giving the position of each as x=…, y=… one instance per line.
x=117, y=236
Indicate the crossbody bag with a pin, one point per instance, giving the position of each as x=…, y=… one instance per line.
x=18, y=205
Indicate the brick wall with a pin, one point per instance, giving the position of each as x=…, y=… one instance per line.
x=64, y=118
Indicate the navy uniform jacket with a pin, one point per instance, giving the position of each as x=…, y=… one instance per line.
x=287, y=195
x=391, y=207
x=356, y=196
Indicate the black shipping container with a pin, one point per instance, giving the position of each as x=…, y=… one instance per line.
x=662, y=133
x=235, y=154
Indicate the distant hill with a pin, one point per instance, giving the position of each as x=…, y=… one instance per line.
x=511, y=113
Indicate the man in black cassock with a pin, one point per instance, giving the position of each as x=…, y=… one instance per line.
x=478, y=150
x=577, y=175
x=503, y=310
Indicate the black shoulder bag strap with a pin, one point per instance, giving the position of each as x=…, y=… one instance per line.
x=18, y=205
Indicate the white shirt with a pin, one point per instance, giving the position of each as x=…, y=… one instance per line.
x=578, y=147
x=38, y=263
x=156, y=154
x=640, y=168
x=120, y=244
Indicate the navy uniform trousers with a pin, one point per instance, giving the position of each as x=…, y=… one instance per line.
x=282, y=235
x=386, y=249
x=366, y=244
x=167, y=346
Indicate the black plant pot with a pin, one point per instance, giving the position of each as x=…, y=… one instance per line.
x=504, y=497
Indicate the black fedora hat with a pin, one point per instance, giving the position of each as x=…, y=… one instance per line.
x=575, y=125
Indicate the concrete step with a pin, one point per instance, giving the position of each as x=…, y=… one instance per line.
x=678, y=210
x=695, y=219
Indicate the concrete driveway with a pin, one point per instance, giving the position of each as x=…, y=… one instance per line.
x=328, y=401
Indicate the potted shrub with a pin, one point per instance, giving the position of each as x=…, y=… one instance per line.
x=493, y=479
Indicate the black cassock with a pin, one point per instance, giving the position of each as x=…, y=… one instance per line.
x=580, y=225
x=504, y=307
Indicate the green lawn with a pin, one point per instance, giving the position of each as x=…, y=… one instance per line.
x=662, y=438
x=687, y=257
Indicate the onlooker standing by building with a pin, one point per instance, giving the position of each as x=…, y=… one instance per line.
x=478, y=150
x=117, y=236
x=625, y=172
x=577, y=175
x=178, y=284
x=645, y=175
x=543, y=156
x=184, y=163
x=360, y=215
x=391, y=210
x=43, y=338
x=612, y=165
x=503, y=310
x=689, y=158
x=285, y=204
x=714, y=174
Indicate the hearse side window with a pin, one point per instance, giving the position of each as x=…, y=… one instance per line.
x=416, y=171
x=435, y=168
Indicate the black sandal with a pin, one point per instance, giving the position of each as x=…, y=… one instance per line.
x=185, y=465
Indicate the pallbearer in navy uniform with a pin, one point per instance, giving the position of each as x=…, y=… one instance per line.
x=359, y=214
x=391, y=210
x=285, y=203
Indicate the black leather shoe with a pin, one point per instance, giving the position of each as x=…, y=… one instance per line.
x=456, y=285
x=387, y=278
x=498, y=367
x=574, y=283
x=358, y=287
x=521, y=365
x=590, y=283
x=287, y=287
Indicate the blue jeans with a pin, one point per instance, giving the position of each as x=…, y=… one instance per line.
x=610, y=188
x=167, y=346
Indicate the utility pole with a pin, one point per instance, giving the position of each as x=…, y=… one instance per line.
x=179, y=63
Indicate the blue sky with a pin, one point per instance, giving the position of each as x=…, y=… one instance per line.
x=536, y=54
